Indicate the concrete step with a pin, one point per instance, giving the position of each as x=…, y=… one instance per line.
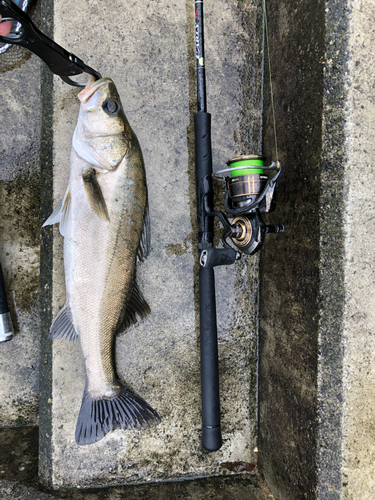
x=19, y=479
x=20, y=238
x=316, y=390
x=238, y=488
x=148, y=50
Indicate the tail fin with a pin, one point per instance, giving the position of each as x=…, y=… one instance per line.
x=97, y=417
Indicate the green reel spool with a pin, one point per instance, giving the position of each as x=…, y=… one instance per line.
x=251, y=161
x=246, y=177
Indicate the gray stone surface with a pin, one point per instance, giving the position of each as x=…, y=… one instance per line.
x=200, y=489
x=289, y=285
x=18, y=479
x=316, y=308
x=147, y=48
x=316, y=391
x=359, y=321
x=19, y=239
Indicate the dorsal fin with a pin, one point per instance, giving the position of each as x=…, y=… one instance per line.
x=145, y=240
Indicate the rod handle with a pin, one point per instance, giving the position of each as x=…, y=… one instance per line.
x=212, y=257
x=211, y=438
x=211, y=430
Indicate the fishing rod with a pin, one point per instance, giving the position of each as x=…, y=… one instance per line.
x=249, y=191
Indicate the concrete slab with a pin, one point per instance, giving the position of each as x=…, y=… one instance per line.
x=239, y=488
x=19, y=236
x=359, y=226
x=147, y=49
x=18, y=479
x=317, y=284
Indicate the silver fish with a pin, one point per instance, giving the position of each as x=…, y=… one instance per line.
x=104, y=220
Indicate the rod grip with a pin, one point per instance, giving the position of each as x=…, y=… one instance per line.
x=6, y=326
x=203, y=178
x=212, y=257
x=4, y=308
x=211, y=430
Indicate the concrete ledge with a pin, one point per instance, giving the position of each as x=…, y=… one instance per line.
x=19, y=234
x=19, y=480
x=317, y=283
x=147, y=50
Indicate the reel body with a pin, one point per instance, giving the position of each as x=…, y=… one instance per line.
x=249, y=192
x=248, y=186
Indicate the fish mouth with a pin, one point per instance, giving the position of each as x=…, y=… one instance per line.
x=92, y=87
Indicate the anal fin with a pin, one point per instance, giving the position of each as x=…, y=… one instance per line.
x=62, y=327
x=135, y=306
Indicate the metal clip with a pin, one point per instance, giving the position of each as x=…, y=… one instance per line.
x=60, y=61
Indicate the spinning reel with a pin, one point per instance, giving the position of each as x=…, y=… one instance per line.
x=249, y=192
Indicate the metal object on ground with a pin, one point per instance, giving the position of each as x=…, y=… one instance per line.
x=26, y=34
x=6, y=326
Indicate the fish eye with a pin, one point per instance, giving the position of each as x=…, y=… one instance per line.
x=110, y=106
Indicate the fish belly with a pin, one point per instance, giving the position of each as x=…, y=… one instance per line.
x=99, y=258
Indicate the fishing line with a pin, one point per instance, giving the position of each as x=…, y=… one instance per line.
x=269, y=69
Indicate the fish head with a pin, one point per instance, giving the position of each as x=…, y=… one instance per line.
x=103, y=135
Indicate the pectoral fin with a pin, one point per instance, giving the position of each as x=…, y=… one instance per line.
x=61, y=214
x=94, y=193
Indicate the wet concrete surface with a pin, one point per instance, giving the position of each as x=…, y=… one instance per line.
x=19, y=479
x=19, y=455
x=199, y=489
x=316, y=388
x=19, y=238
x=168, y=82
x=316, y=290
x=290, y=264
x=159, y=358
